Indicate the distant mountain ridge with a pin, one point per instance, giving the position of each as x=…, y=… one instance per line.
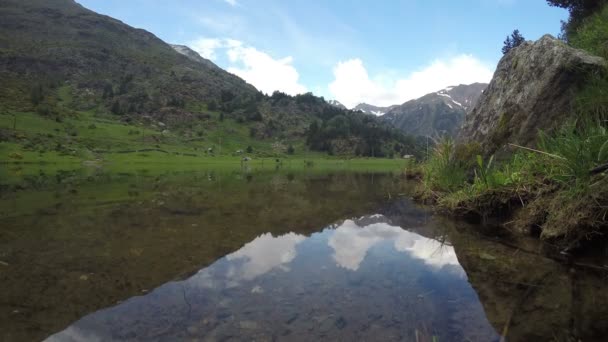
x=371, y=109
x=337, y=104
x=436, y=114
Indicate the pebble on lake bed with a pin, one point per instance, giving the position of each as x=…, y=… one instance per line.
x=250, y=325
x=257, y=289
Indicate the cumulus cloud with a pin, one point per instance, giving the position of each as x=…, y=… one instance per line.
x=264, y=254
x=353, y=85
x=254, y=66
x=352, y=242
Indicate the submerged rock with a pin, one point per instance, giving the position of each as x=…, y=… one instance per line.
x=534, y=88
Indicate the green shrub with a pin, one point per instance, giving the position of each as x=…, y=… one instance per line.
x=592, y=34
x=15, y=155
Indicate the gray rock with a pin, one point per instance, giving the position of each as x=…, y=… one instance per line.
x=533, y=88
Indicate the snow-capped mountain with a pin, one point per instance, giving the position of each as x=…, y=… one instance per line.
x=371, y=109
x=464, y=96
x=438, y=113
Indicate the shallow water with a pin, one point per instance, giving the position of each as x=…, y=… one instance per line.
x=274, y=255
x=360, y=279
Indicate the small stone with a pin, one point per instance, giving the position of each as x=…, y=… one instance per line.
x=249, y=325
x=192, y=330
x=3, y=263
x=84, y=277
x=486, y=256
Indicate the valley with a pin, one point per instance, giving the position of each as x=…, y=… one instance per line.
x=204, y=171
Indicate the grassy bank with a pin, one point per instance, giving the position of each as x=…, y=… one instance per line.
x=30, y=137
x=558, y=192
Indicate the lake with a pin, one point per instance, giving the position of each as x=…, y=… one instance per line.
x=230, y=254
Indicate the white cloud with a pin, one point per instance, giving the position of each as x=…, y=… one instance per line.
x=352, y=242
x=206, y=47
x=264, y=254
x=264, y=72
x=352, y=84
x=257, y=67
x=231, y=2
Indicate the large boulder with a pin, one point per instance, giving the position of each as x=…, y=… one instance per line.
x=534, y=88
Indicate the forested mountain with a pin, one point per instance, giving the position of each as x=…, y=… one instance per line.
x=58, y=58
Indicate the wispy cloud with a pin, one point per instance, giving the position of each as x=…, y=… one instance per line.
x=232, y=3
x=352, y=84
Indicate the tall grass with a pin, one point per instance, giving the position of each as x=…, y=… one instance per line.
x=442, y=171
x=577, y=149
x=564, y=159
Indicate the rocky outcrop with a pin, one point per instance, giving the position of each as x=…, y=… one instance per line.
x=534, y=88
x=193, y=55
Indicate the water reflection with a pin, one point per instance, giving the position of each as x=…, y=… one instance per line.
x=363, y=278
x=85, y=241
x=352, y=240
x=262, y=255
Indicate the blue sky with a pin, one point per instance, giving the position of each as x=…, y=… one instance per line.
x=379, y=52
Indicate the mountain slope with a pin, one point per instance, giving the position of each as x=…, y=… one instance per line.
x=439, y=113
x=69, y=64
x=337, y=104
x=48, y=44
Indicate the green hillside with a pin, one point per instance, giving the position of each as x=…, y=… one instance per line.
x=79, y=85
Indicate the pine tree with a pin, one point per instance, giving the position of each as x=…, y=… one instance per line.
x=116, y=109
x=507, y=45
x=512, y=41
x=578, y=8
x=36, y=94
x=517, y=38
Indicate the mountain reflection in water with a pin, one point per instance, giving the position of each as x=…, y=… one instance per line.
x=361, y=279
